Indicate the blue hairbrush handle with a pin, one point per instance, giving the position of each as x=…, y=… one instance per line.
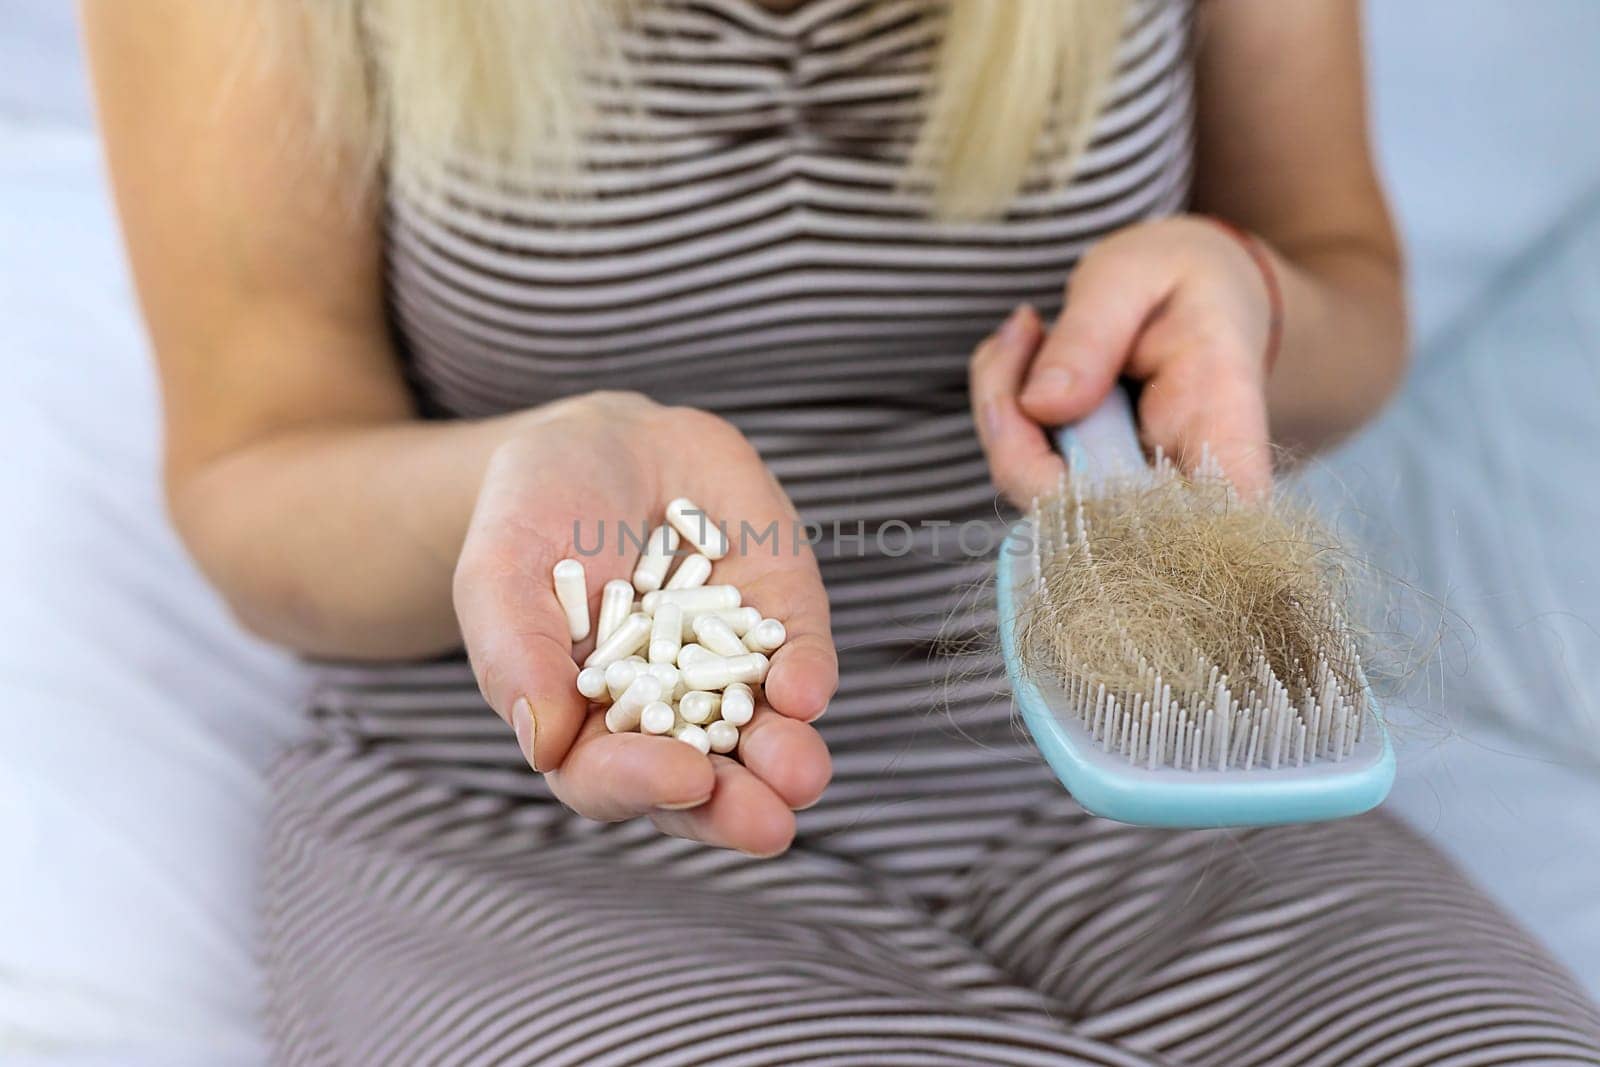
x=1104, y=444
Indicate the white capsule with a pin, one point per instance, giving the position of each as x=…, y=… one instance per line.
x=592, y=684
x=719, y=673
x=739, y=620
x=640, y=660
x=621, y=719
x=693, y=653
x=738, y=704
x=750, y=668
x=655, y=559
x=616, y=604
x=644, y=690
x=766, y=636
x=629, y=636
x=693, y=736
x=691, y=573
x=723, y=736
x=666, y=633
x=716, y=635
x=619, y=676
x=698, y=528
x=697, y=600
x=657, y=718
x=671, y=682
x=573, y=593
x=699, y=706
x=707, y=673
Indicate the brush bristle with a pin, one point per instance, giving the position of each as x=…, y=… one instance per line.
x=1191, y=630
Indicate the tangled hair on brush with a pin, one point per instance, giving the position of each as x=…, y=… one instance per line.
x=1177, y=574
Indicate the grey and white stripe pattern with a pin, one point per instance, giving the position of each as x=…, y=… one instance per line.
x=745, y=246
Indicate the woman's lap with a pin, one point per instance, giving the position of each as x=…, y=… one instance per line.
x=1339, y=943
x=411, y=922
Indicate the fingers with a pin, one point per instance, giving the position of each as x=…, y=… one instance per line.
x=1114, y=291
x=788, y=587
x=743, y=813
x=789, y=757
x=610, y=776
x=1233, y=427
x=1203, y=392
x=1245, y=463
x=1022, y=462
x=775, y=570
x=619, y=776
x=805, y=671
x=1204, y=404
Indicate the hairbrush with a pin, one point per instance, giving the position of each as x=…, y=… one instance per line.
x=1251, y=750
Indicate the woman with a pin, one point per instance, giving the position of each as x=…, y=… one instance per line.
x=615, y=254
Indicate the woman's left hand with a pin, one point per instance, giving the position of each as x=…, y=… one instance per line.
x=1177, y=304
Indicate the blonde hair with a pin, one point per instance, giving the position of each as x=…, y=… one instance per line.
x=1017, y=84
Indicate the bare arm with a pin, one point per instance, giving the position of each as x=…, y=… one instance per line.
x=1283, y=151
x=296, y=473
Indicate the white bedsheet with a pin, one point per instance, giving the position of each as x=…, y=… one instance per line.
x=138, y=720
x=1479, y=489
x=1486, y=114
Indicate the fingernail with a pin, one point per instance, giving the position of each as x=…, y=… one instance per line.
x=1011, y=331
x=1047, y=381
x=685, y=806
x=522, y=723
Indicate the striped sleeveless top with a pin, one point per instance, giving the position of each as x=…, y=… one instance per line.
x=744, y=245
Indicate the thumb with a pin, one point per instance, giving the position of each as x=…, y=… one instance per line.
x=1112, y=294
x=514, y=632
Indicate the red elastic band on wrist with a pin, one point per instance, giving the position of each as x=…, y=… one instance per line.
x=1269, y=277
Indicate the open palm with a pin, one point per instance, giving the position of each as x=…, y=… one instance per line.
x=581, y=473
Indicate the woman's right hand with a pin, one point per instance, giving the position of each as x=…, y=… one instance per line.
x=620, y=458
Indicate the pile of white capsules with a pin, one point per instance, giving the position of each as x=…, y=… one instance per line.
x=684, y=659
